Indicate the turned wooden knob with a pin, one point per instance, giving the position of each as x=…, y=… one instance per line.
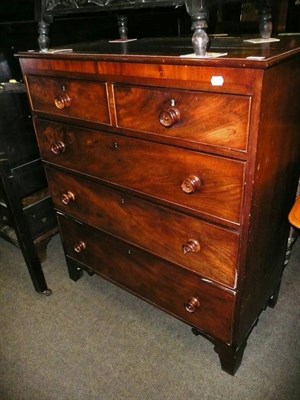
x=191, y=184
x=191, y=246
x=79, y=247
x=58, y=148
x=192, y=305
x=62, y=101
x=67, y=197
x=169, y=117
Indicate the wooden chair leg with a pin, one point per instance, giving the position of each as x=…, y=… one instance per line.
x=22, y=230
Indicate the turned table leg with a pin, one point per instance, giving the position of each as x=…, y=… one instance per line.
x=43, y=39
x=123, y=27
x=199, y=14
x=265, y=18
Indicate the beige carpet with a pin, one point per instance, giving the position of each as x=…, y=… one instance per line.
x=93, y=341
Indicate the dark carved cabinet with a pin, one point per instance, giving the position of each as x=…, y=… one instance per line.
x=27, y=218
x=173, y=176
x=48, y=10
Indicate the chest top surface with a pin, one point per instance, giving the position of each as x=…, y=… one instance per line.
x=224, y=51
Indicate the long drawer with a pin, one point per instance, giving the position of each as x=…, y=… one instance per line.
x=210, y=118
x=171, y=288
x=78, y=99
x=204, y=248
x=201, y=183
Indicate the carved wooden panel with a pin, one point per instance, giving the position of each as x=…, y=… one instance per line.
x=85, y=5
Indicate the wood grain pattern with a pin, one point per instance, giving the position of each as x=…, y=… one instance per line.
x=276, y=174
x=88, y=100
x=156, y=229
x=154, y=71
x=210, y=118
x=151, y=278
x=149, y=168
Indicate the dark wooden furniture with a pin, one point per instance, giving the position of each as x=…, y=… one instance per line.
x=48, y=10
x=173, y=177
x=27, y=218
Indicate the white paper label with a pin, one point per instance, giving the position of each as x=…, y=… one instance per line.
x=217, y=80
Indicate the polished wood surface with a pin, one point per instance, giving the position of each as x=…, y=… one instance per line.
x=70, y=98
x=131, y=219
x=161, y=283
x=180, y=191
x=209, y=118
x=170, y=51
x=276, y=173
x=148, y=168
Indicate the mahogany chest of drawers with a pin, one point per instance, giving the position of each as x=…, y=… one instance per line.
x=172, y=176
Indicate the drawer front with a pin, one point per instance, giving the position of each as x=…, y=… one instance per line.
x=80, y=99
x=167, y=286
x=189, y=242
x=209, y=118
x=201, y=183
x=40, y=217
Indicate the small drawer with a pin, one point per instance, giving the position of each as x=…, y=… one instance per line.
x=209, y=118
x=199, y=183
x=175, y=290
x=80, y=99
x=201, y=247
